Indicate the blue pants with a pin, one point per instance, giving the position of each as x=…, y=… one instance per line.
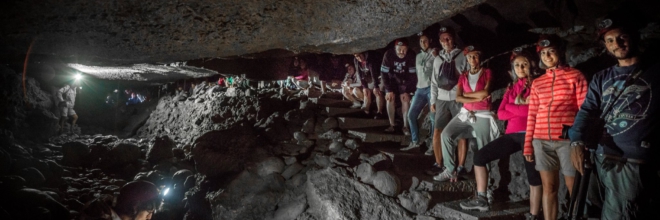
x=419, y=101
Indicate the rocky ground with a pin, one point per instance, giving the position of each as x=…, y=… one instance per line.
x=241, y=154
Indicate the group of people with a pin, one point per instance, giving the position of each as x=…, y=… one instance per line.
x=546, y=96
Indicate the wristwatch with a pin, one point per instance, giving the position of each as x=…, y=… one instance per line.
x=577, y=143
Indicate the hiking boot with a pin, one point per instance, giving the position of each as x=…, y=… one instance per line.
x=412, y=145
x=444, y=176
x=490, y=197
x=476, y=203
x=356, y=105
x=406, y=131
x=429, y=152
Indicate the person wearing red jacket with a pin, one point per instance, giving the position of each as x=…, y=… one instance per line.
x=555, y=99
x=513, y=109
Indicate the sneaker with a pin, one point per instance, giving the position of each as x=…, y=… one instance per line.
x=460, y=171
x=429, y=152
x=490, y=197
x=412, y=145
x=406, y=131
x=379, y=115
x=356, y=105
x=444, y=176
x=390, y=129
x=435, y=170
x=476, y=203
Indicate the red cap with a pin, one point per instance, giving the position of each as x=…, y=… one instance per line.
x=401, y=42
x=515, y=52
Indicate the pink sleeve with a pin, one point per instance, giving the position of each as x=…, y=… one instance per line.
x=503, y=112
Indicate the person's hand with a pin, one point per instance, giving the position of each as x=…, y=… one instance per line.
x=377, y=92
x=529, y=158
x=432, y=107
x=62, y=104
x=485, y=98
x=577, y=157
x=389, y=96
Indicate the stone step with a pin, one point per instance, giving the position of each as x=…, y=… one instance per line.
x=378, y=134
x=501, y=210
x=337, y=111
x=330, y=102
x=354, y=122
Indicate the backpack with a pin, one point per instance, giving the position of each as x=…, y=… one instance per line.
x=448, y=81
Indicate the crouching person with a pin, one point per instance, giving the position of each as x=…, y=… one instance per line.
x=475, y=120
x=352, y=87
x=513, y=109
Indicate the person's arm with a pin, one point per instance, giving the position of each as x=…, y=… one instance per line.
x=484, y=93
x=434, y=75
x=504, y=112
x=528, y=149
x=589, y=110
x=459, y=91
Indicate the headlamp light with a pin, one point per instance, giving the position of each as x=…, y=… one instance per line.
x=544, y=43
x=78, y=76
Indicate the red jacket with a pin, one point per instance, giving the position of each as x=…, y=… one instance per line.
x=555, y=99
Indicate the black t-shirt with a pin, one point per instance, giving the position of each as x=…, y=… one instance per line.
x=398, y=72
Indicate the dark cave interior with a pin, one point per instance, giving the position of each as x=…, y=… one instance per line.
x=255, y=150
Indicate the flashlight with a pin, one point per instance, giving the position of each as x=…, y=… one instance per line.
x=167, y=190
x=78, y=76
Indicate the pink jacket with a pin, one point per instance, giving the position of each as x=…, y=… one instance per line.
x=464, y=83
x=514, y=113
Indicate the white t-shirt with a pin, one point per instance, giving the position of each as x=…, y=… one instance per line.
x=472, y=80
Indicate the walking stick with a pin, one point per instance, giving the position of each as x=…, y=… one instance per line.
x=581, y=187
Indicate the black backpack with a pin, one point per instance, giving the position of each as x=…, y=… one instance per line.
x=448, y=81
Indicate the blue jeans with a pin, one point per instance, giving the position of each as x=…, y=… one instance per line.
x=419, y=101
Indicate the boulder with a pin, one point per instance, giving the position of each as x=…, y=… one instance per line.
x=180, y=176
x=74, y=153
x=332, y=194
x=387, y=183
x=352, y=144
x=292, y=209
x=415, y=201
x=270, y=165
x=308, y=126
x=365, y=173
x=293, y=169
x=161, y=149
x=336, y=146
x=330, y=123
x=218, y=152
x=32, y=176
x=120, y=155
x=248, y=196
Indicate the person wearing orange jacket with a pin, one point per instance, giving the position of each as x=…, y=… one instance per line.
x=555, y=99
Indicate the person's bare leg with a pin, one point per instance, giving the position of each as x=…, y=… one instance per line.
x=462, y=151
x=550, y=181
x=322, y=87
x=481, y=176
x=405, y=106
x=437, y=146
x=391, y=111
x=569, y=180
x=75, y=119
x=380, y=102
x=367, y=100
x=357, y=92
x=346, y=91
x=535, y=195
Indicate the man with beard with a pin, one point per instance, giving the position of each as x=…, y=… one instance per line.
x=399, y=79
x=622, y=100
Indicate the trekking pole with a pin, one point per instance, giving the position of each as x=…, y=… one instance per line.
x=581, y=187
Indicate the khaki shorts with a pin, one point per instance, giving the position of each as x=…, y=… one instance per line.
x=64, y=112
x=553, y=155
x=444, y=112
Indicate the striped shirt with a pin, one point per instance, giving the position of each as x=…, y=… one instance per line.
x=554, y=101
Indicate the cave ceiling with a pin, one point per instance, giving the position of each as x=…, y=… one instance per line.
x=123, y=33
